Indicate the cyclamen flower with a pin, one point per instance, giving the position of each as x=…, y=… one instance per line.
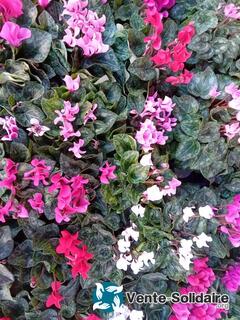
x=188, y=213
x=13, y=34
x=183, y=78
x=11, y=9
x=76, y=149
x=19, y=211
x=4, y=211
x=107, y=173
x=153, y=193
x=231, y=279
x=171, y=188
x=55, y=297
x=90, y=114
x=66, y=116
x=85, y=28
x=37, y=129
x=67, y=243
x=44, y=3
x=72, y=84
x=5, y=318
x=214, y=93
x=9, y=125
x=233, y=90
x=232, y=11
x=206, y=212
x=203, y=278
x=37, y=202
x=185, y=253
x=232, y=218
x=201, y=240
x=39, y=173
x=231, y=130
x=78, y=257
x=10, y=176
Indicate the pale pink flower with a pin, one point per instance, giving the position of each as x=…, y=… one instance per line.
x=149, y=135
x=76, y=149
x=11, y=128
x=72, y=84
x=37, y=129
x=44, y=3
x=13, y=34
x=231, y=130
x=232, y=11
x=37, y=202
x=85, y=28
x=233, y=90
x=11, y=9
x=68, y=113
x=67, y=131
x=214, y=93
x=90, y=114
x=171, y=188
x=107, y=173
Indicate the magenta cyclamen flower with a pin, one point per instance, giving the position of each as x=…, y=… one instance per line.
x=231, y=279
x=10, y=126
x=13, y=34
x=39, y=173
x=107, y=173
x=232, y=218
x=72, y=84
x=11, y=9
x=44, y=3
x=37, y=202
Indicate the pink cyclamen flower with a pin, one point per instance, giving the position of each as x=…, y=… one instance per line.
x=231, y=279
x=44, y=3
x=11, y=9
x=76, y=149
x=72, y=84
x=10, y=126
x=37, y=129
x=4, y=211
x=107, y=173
x=55, y=297
x=214, y=93
x=5, y=318
x=13, y=34
x=233, y=90
x=231, y=130
x=37, y=202
x=232, y=11
x=171, y=188
x=90, y=114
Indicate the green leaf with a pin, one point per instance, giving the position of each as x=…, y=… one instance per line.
x=136, y=42
x=190, y=125
x=6, y=242
x=202, y=83
x=205, y=20
x=129, y=158
x=27, y=111
x=124, y=142
x=210, y=132
x=187, y=149
x=137, y=173
x=143, y=69
x=186, y=104
x=37, y=47
x=19, y=152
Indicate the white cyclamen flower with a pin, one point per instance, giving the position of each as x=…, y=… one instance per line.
x=206, y=212
x=130, y=233
x=138, y=210
x=153, y=193
x=188, y=213
x=123, y=262
x=201, y=240
x=124, y=245
x=146, y=160
x=136, y=315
